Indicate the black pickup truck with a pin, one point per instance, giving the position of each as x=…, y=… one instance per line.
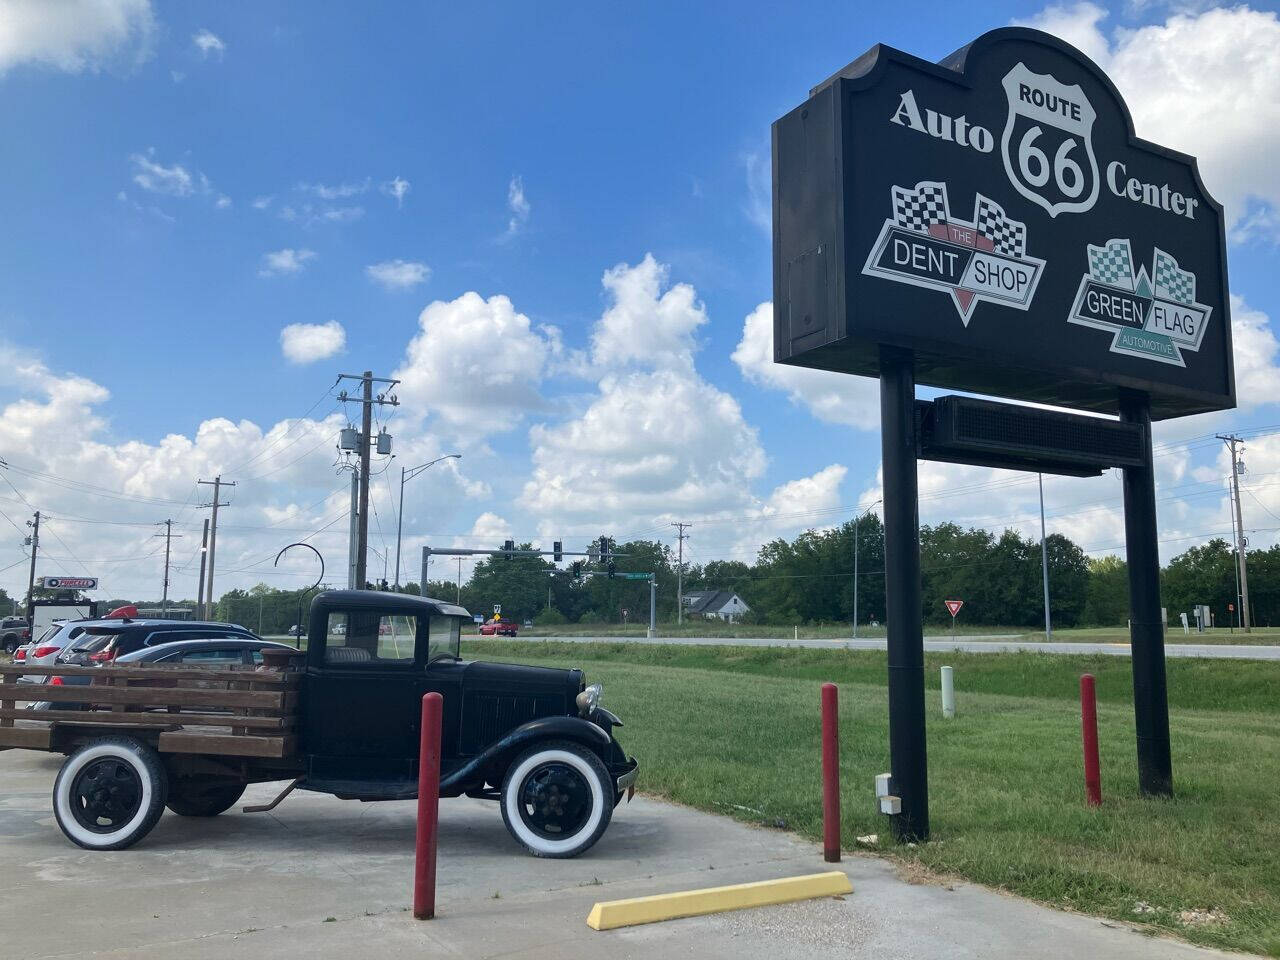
x=534, y=739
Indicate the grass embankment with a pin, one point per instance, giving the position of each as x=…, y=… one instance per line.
x=843, y=631
x=724, y=728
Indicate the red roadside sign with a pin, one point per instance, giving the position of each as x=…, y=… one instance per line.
x=953, y=607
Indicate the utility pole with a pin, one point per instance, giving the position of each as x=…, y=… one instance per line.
x=681, y=536
x=217, y=483
x=168, y=537
x=366, y=399
x=856, y=518
x=353, y=534
x=459, y=583
x=1231, y=440
x=204, y=557
x=31, y=578
x=1044, y=565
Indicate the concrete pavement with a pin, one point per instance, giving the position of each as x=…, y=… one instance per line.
x=965, y=644
x=325, y=878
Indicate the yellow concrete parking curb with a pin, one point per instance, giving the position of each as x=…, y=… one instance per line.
x=694, y=903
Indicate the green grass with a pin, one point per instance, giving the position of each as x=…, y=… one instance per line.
x=843, y=631
x=721, y=728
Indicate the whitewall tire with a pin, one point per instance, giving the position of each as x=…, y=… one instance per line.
x=110, y=793
x=557, y=799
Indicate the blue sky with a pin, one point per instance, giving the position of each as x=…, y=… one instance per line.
x=159, y=153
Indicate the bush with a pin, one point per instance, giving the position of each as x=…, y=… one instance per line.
x=550, y=617
x=591, y=617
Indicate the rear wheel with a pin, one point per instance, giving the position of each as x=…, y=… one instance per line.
x=11, y=644
x=557, y=799
x=190, y=797
x=110, y=793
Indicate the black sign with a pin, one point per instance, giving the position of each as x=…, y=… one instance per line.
x=996, y=215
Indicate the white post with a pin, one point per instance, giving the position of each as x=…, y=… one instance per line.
x=948, y=694
x=796, y=632
x=653, y=605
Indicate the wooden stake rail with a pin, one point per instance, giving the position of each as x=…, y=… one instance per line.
x=239, y=711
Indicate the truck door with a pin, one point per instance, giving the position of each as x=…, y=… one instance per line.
x=363, y=696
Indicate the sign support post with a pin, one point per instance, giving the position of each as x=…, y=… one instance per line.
x=1146, y=632
x=908, y=764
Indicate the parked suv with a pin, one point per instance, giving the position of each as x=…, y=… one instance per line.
x=102, y=641
x=14, y=632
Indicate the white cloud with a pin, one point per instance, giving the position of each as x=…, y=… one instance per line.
x=759, y=204
x=1257, y=355
x=309, y=342
x=831, y=397
x=223, y=202
x=75, y=35
x=261, y=203
x=209, y=43
x=284, y=261
x=651, y=443
x=397, y=188
x=1206, y=83
x=645, y=323
x=519, y=206
x=340, y=191
x=398, y=274
x=174, y=181
x=477, y=364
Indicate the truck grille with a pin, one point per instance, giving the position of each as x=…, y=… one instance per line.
x=486, y=717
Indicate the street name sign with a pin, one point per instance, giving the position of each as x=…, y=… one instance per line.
x=996, y=215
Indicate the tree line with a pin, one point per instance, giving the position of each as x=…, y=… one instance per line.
x=810, y=580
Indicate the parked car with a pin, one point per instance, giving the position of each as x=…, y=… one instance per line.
x=44, y=651
x=102, y=641
x=14, y=632
x=297, y=630
x=227, y=651
x=499, y=628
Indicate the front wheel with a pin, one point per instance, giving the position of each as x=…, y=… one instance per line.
x=110, y=793
x=557, y=799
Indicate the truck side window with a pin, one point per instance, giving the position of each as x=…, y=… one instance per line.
x=367, y=637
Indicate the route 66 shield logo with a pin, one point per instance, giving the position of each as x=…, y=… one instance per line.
x=1047, y=144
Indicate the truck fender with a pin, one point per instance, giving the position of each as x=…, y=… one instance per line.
x=575, y=729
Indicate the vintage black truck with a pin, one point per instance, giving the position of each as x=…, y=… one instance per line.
x=341, y=718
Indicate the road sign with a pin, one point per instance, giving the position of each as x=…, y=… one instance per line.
x=1231, y=608
x=497, y=609
x=953, y=607
x=68, y=583
x=995, y=214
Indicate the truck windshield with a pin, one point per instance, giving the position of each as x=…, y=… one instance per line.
x=444, y=638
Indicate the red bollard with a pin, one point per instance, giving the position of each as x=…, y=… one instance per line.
x=830, y=774
x=1089, y=729
x=424, y=866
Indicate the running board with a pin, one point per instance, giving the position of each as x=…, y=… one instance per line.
x=264, y=807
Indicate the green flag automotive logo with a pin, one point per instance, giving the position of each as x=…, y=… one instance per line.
x=1153, y=320
x=983, y=259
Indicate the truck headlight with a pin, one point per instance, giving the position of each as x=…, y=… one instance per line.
x=588, y=699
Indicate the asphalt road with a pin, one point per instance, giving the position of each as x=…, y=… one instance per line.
x=974, y=644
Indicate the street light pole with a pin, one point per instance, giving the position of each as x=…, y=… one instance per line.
x=856, y=518
x=405, y=476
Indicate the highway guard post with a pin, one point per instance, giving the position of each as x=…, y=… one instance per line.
x=991, y=224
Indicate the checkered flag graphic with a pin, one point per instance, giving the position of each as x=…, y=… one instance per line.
x=921, y=208
x=1112, y=264
x=1172, y=282
x=1007, y=236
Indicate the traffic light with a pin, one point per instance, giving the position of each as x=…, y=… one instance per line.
x=507, y=547
x=576, y=569
x=604, y=548
x=612, y=569
x=557, y=551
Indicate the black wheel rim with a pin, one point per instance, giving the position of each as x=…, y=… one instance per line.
x=105, y=795
x=555, y=801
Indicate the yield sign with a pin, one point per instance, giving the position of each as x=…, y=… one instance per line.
x=953, y=607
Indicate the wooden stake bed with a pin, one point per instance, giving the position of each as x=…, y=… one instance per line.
x=228, y=711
